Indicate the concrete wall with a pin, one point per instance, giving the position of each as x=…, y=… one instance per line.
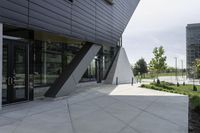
x=1, y=61
x=123, y=70
x=120, y=69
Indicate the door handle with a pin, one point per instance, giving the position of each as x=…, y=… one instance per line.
x=12, y=81
x=9, y=81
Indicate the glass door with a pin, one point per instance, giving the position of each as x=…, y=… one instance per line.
x=14, y=71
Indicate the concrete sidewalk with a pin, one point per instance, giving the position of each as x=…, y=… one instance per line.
x=100, y=109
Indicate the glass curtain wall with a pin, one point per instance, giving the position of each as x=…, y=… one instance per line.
x=100, y=65
x=90, y=74
x=50, y=58
x=48, y=62
x=108, y=58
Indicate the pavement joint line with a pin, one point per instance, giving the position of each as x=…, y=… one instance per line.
x=106, y=105
x=19, y=121
x=15, y=119
x=129, y=127
x=128, y=104
x=144, y=110
x=103, y=109
x=125, y=123
x=33, y=113
x=87, y=113
x=99, y=107
x=23, y=118
x=86, y=99
x=70, y=117
x=19, y=108
x=160, y=117
x=42, y=112
x=7, y=110
x=63, y=101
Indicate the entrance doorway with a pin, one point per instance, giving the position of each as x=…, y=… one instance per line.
x=15, y=70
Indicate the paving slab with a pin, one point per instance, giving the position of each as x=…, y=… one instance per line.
x=100, y=109
x=98, y=122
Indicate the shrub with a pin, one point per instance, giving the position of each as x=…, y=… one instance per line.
x=167, y=83
x=152, y=87
x=178, y=84
x=194, y=88
x=142, y=86
x=195, y=100
x=158, y=81
x=163, y=85
x=184, y=93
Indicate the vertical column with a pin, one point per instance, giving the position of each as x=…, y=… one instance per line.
x=45, y=63
x=1, y=62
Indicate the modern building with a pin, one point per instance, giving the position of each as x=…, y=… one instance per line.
x=192, y=43
x=48, y=47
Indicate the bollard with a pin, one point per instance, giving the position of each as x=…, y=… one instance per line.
x=132, y=81
x=116, y=80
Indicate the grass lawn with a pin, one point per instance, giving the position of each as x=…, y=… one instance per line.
x=150, y=76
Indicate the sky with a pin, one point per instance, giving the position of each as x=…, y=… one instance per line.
x=160, y=22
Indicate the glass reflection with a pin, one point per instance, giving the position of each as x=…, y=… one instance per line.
x=49, y=60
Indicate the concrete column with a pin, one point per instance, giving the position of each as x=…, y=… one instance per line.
x=71, y=75
x=1, y=62
x=78, y=72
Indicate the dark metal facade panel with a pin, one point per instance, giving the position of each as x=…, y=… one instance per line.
x=14, y=13
x=83, y=19
x=50, y=16
x=95, y=21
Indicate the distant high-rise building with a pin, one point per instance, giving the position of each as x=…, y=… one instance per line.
x=192, y=43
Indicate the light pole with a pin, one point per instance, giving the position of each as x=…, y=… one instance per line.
x=182, y=67
x=182, y=72
x=176, y=68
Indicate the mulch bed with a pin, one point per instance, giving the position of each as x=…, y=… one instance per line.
x=194, y=120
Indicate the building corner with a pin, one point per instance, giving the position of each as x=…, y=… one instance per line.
x=1, y=61
x=121, y=71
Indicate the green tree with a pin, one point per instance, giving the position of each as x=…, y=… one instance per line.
x=196, y=68
x=158, y=62
x=140, y=67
